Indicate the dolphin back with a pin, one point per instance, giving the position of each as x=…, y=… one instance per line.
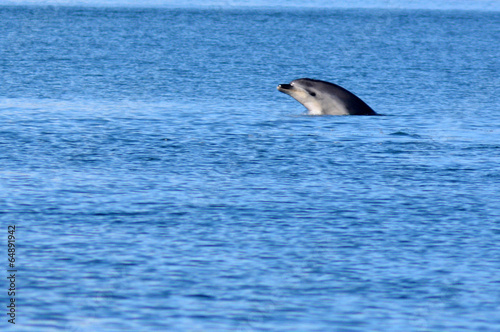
x=353, y=104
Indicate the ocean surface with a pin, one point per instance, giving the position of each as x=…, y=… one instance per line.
x=159, y=181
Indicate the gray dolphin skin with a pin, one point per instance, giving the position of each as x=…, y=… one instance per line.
x=324, y=98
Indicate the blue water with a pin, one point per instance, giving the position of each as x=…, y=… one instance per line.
x=160, y=182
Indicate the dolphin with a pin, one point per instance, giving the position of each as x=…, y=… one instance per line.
x=325, y=98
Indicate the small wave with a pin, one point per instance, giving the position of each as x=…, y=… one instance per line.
x=402, y=133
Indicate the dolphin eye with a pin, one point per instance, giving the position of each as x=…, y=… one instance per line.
x=312, y=93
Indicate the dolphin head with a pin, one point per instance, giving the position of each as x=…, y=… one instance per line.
x=306, y=92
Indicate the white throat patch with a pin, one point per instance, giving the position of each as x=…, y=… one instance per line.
x=317, y=105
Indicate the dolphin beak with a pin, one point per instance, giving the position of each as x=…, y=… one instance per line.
x=282, y=87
